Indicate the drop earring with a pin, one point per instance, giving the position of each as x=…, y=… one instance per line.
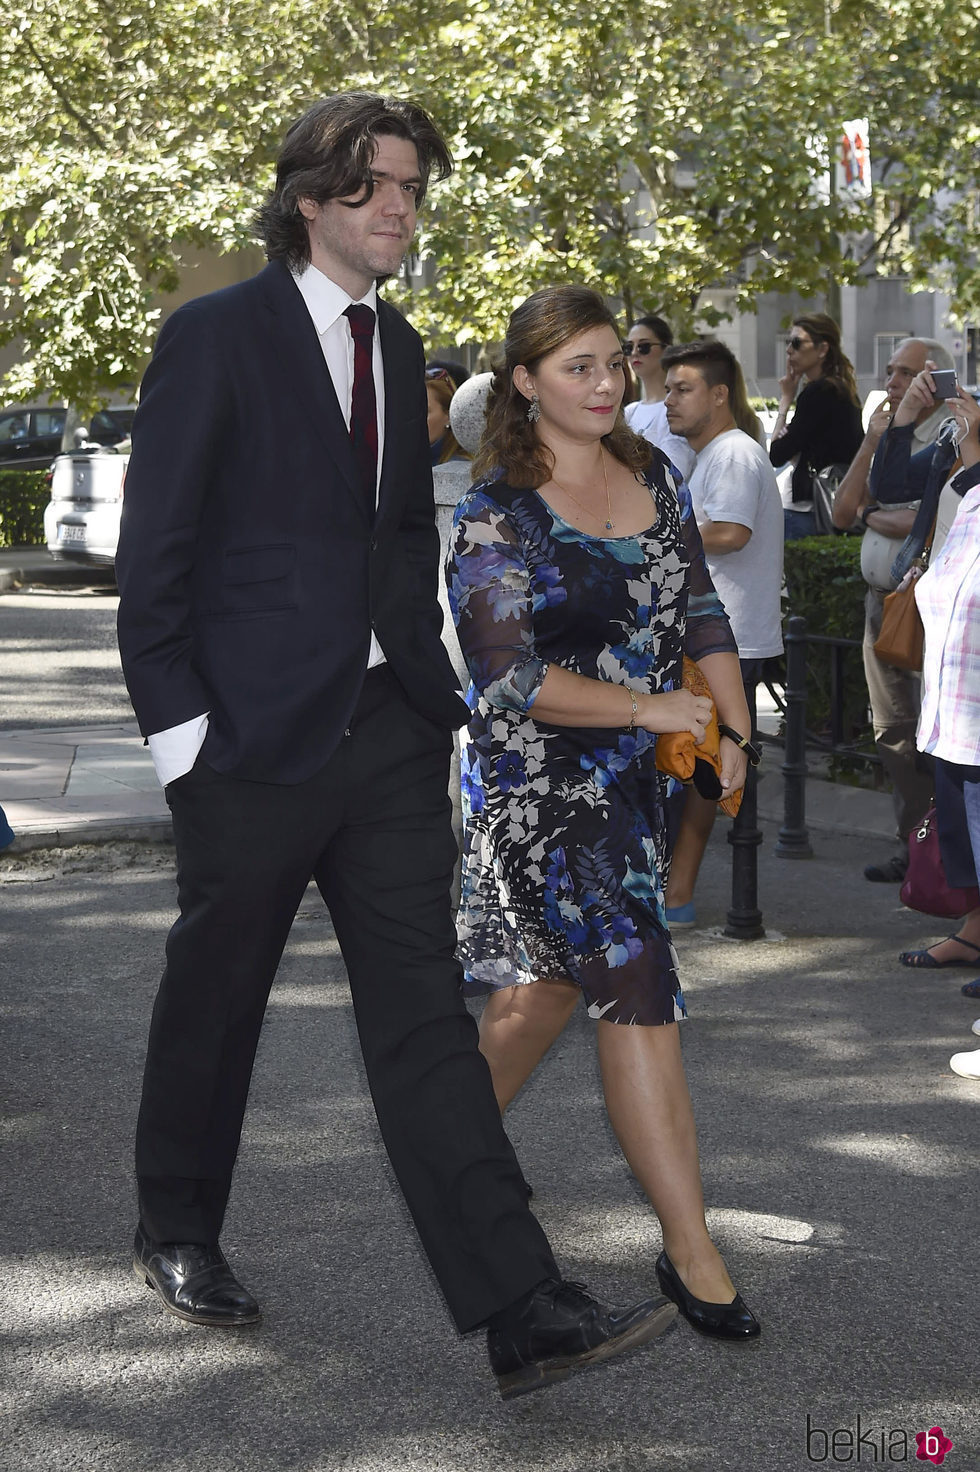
x=533, y=410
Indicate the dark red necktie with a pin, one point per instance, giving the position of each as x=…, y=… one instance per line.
x=363, y=403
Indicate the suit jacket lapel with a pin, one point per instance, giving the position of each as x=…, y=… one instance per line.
x=401, y=404
x=303, y=370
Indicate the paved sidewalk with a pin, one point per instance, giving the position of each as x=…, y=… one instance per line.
x=87, y=785
x=91, y=784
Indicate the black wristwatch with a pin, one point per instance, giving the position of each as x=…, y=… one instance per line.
x=753, y=753
x=863, y=516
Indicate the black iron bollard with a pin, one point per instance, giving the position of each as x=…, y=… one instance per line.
x=744, y=919
x=794, y=841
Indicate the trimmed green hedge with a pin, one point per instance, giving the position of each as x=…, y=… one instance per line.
x=824, y=585
x=23, y=497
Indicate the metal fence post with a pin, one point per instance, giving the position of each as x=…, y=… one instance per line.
x=794, y=841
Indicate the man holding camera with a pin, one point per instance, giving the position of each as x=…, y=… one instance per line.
x=884, y=495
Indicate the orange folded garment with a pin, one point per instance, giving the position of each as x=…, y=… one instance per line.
x=680, y=757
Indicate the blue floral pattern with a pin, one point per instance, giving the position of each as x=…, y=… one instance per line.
x=565, y=854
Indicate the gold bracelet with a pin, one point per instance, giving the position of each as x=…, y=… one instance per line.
x=632, y=696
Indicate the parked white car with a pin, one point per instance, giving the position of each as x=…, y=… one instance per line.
x=81, y=521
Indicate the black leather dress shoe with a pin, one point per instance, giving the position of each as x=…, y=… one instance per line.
x=194, y=1282
x=722, y=1320
x=558, y=1327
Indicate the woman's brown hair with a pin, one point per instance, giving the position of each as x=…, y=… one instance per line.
x=539, y=327
x=441, y=386
x=836, y=366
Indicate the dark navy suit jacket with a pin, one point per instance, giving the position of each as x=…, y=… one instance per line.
x=250, y=571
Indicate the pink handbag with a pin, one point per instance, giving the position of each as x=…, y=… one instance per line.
x=925, y=887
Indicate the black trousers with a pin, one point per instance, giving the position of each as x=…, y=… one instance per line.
x=373, y=828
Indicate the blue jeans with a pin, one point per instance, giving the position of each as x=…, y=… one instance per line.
x=958, y=817
x=798, y=524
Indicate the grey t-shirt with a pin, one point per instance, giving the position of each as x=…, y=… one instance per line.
x=732, y=480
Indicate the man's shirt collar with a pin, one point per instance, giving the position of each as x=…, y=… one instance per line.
x=325, y=300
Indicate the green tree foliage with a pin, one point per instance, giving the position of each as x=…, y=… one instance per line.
x=650, y=152
x=133, y=131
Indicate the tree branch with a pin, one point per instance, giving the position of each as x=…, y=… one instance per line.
x=80, y=119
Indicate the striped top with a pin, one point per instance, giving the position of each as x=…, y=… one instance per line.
x=948, y=599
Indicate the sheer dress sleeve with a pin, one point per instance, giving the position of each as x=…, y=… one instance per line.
x=490, y=598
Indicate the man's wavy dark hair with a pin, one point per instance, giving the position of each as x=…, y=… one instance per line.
x=327, y=154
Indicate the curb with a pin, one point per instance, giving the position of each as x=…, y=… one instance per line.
x=78, y=835
x=34, y=571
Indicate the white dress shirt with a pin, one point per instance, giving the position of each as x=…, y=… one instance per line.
x=175, y=750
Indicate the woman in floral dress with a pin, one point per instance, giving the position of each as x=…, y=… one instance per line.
x=577, y=581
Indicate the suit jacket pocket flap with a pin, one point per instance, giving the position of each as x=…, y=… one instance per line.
x=258, y=564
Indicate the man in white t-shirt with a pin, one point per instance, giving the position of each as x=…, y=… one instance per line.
x=739, y=515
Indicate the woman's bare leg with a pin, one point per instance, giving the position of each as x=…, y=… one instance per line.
x=650, y=1110
x=518, y=1026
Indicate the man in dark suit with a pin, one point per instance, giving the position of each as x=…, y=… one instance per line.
x=279, y=631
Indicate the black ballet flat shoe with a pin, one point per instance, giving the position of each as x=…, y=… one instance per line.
x=733, y=1320
x=193, y=1282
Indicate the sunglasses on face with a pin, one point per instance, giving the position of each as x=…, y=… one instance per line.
x=641, y=347
x=798, y=342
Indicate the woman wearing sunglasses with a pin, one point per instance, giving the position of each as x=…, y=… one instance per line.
x=644, y=348
x=826, y=425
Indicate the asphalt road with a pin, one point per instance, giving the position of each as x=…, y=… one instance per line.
x=59, y=665
x=839, y=1159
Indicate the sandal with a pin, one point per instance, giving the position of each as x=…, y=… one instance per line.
x=925, y=961
x=971, y=988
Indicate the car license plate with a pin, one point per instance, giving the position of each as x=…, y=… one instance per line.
x=70, y=533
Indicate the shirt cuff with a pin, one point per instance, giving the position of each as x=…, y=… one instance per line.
x=175, y=750
x=518, y=687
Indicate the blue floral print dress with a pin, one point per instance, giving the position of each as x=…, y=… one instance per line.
x=565, y=854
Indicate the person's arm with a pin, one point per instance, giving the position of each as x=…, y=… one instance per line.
x=966, y=411
x=896, y=473
x=728, y=494
x=491, y=600
x=708, y=639
x=185, y=416
x=808, y=424
x=788, y=385
x=852, y=493
x=719, y=537
x=894, y=524
x=724, y=675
